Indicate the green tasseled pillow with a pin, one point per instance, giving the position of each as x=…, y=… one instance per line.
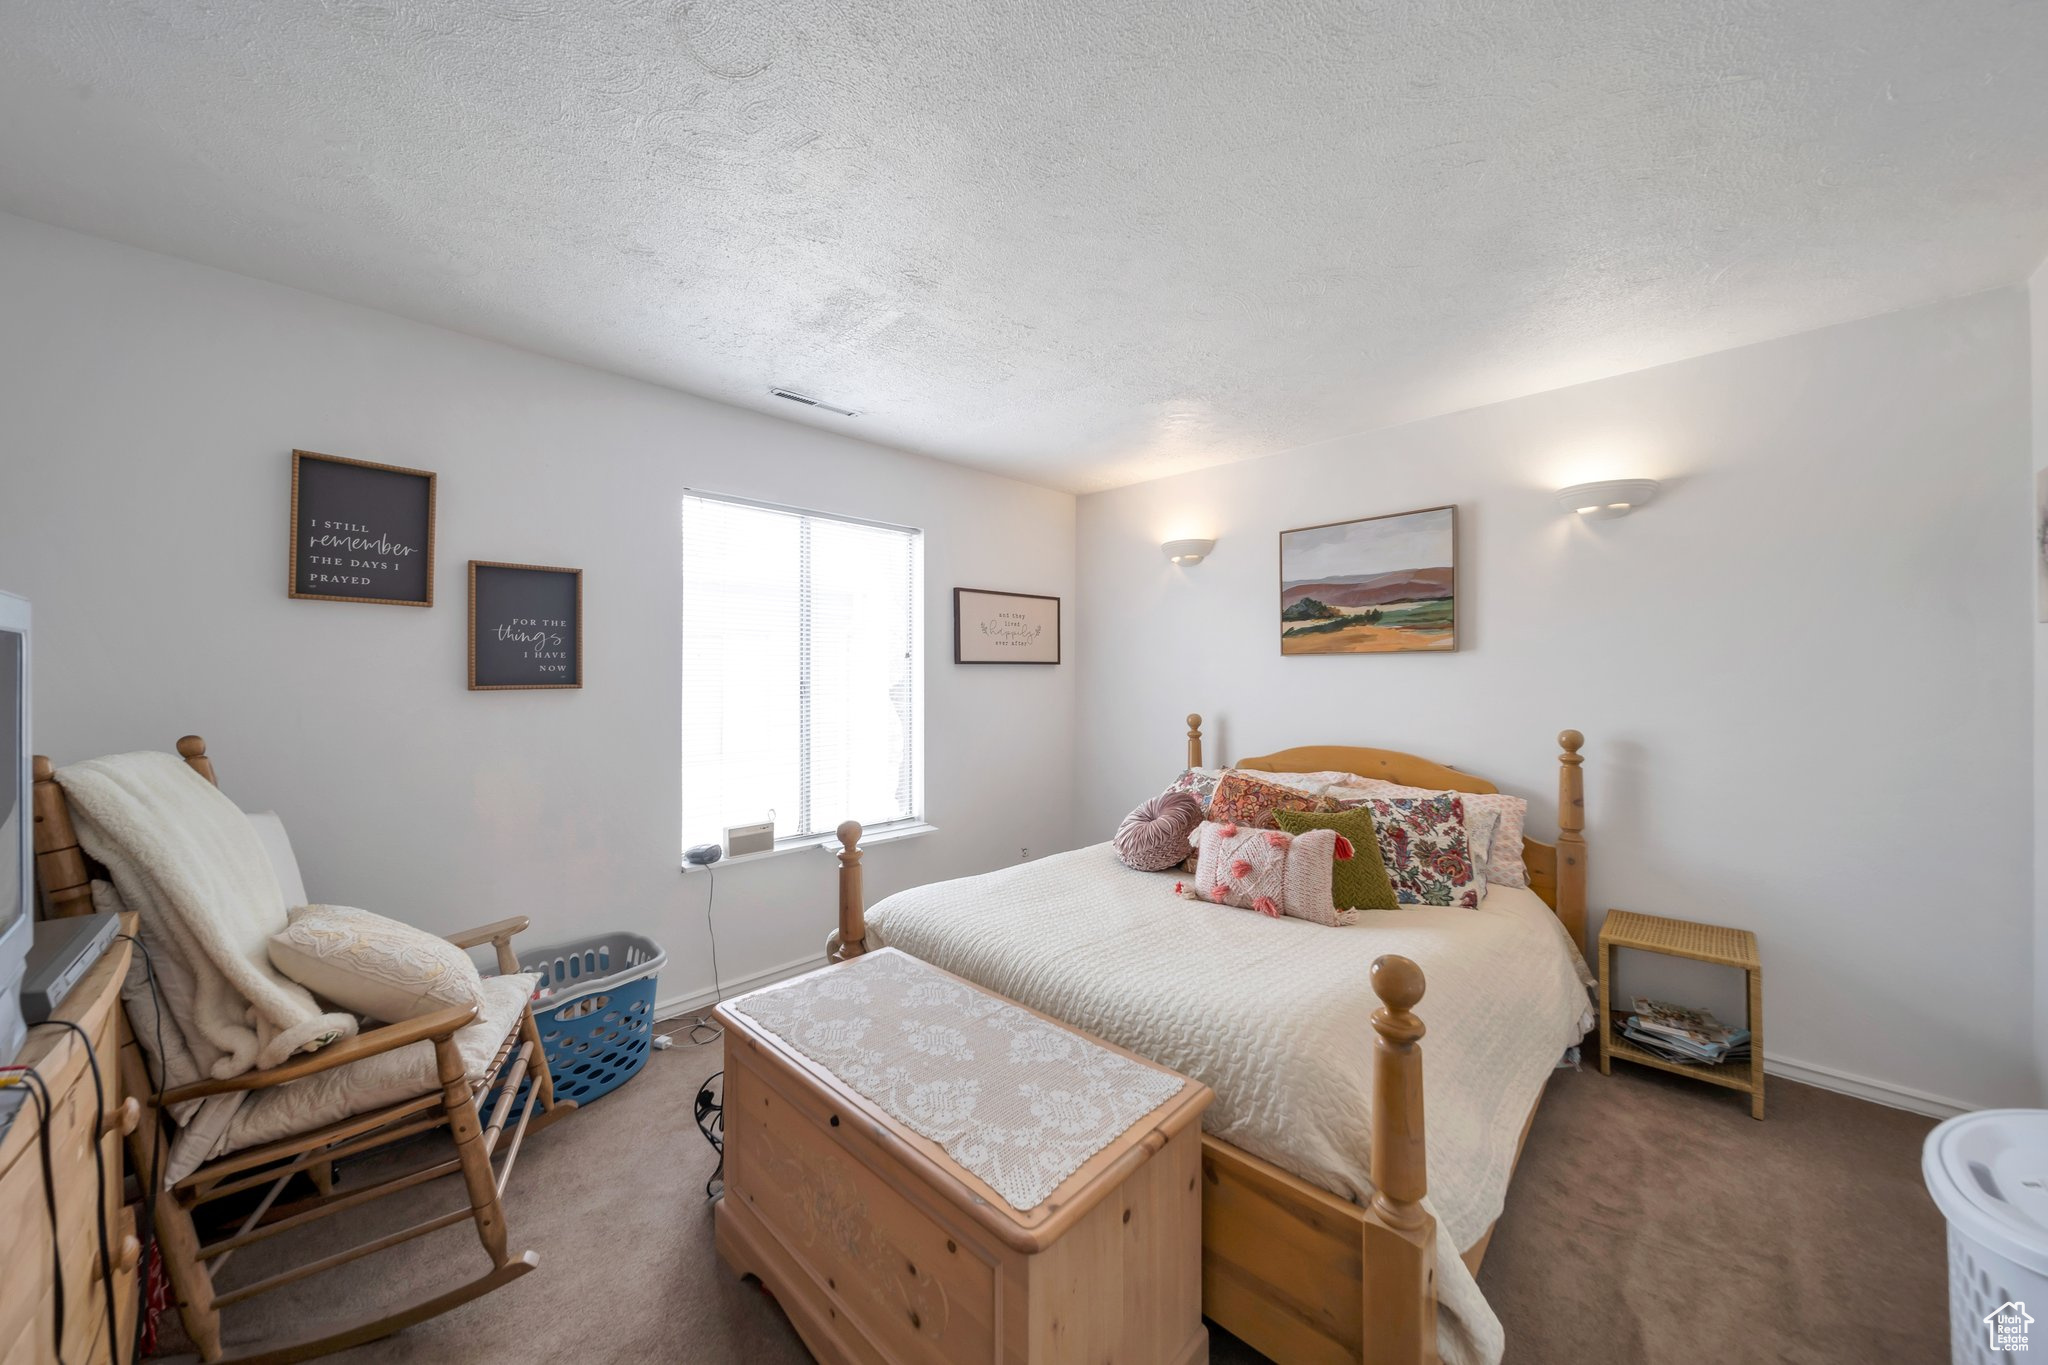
x=1361, y=881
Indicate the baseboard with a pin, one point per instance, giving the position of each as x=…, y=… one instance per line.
x=676, y=1006
x=1864, y=1088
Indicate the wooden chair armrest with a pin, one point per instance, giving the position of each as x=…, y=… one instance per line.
x=385, y=1038
x=498, y=935
x=489, y=933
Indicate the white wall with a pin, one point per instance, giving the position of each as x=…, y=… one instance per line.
x=2037, y=300
x=149, y=410
x=1802, y=673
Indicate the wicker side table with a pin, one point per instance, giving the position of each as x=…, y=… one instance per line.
x=1702, y=943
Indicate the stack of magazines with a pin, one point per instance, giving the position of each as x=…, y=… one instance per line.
x=1692, y=1037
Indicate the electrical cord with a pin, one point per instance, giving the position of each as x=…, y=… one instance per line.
x=39, y=1091
x=702, y=1025
x=710, y=1109
x=99, y=1166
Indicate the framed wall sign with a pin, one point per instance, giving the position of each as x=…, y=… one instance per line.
x=525, y=626
x=1005, y=627
x=1377, y=585
x=361, y=532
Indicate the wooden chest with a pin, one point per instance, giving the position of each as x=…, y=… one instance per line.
x=882, y=1248
x=29, y=1330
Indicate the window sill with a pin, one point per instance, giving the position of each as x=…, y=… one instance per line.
x=829, y=843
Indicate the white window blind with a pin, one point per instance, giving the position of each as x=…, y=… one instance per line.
x=802, y=670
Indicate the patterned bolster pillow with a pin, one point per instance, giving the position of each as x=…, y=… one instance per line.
x=1272, y=872
x=1154, y=837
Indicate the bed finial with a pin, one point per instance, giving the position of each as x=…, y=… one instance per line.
x=1194, y=741
x=1400, y=1173
x=193, y=750
x=851, y=940
x=1571, y=839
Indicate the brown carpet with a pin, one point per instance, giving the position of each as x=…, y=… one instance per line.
x=1651, y=1220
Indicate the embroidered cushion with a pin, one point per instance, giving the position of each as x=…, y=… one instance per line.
x=1426, y=848
x=1242, y=799
x=1271, y=871
x=1359, y=882
x=373, y=965
x=1154, y=837
x=1503, y=857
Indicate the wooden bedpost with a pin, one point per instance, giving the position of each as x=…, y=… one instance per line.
x=851, y=940
x=61, y=869
x=1571, y=841
x=1400, y=1235
x=193, y=750
x=1194, y=741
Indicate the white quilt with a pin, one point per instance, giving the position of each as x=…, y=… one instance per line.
x=1275, y=1017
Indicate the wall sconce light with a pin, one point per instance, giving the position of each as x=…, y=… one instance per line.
x=1188, y=551
x=1614, y=498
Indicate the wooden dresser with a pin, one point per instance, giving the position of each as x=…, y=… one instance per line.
x=882, y=1248
x=27, y=1290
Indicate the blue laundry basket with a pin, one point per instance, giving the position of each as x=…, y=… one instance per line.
x=595, y=1008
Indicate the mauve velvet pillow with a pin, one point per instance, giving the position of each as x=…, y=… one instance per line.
x=1154, y=837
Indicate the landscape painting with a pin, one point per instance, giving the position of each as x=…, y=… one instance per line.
x=1378, y=585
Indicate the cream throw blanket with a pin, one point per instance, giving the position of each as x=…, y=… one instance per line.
x=186, y=857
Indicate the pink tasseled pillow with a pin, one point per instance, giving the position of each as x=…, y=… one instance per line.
x=1154, y=837
x=1271, y=872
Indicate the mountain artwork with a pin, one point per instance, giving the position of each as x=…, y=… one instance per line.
x=1378, y=585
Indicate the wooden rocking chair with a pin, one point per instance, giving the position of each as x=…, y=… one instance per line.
x=64, y=873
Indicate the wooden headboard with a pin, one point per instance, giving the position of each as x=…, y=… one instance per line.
x=1557, y=872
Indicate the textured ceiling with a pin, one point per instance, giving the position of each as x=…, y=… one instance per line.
x=1080, y=242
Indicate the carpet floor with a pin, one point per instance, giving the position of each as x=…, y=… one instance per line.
x=1651, y=1220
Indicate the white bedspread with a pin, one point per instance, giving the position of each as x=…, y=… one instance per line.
x=1275, y=1017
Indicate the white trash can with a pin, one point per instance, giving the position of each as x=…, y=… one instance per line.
x=1988, y=1173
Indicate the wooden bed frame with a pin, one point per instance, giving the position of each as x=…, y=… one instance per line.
x=1297, y=1272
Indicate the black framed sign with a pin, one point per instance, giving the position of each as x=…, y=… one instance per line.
x=525, y=626
x=361, y=532
x=1005, y=627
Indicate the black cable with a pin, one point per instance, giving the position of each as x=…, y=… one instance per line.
x=710, y=1111
x=99, y=1167
x=39, y=1091
x=157, y=1154
x=702, y=1023
x=711, y=928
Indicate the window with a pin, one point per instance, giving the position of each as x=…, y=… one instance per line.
x=803, y=671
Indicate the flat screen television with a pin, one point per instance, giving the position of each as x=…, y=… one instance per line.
x=17, y=824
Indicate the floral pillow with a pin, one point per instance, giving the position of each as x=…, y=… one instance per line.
x=1271, y=871
x=1242, y=799
x=1502, y=855
x=1197, y=782
x=1426, y=848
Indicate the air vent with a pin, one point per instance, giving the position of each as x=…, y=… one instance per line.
x=793, y=396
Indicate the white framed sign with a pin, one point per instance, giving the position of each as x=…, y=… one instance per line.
x=1005, y=627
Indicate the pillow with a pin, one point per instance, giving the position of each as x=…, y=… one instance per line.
x=1427, y=850
x=1270, y=871
x=1503, y=857
x=1242, y=799
x=1199, y=782
x=373, y=965
x=1360, y=882
x=1154, y=837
